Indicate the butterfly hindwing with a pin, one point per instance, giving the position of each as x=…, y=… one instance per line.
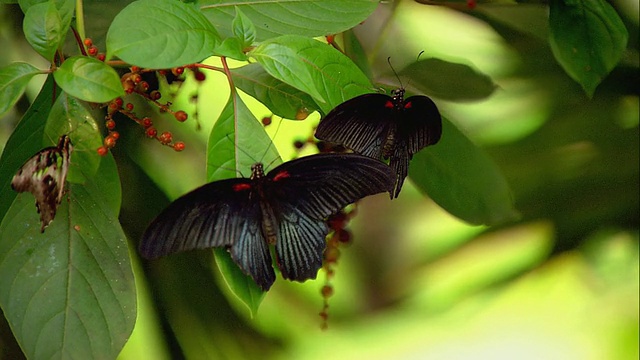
x=44, y=175
x=360, y=124
x=300, y=244
x=211, y=215
x=251, y=253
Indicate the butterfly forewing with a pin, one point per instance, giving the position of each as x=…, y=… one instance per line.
x=421, y=124
x=359, y=124
x=211, y=215
x=44, y=175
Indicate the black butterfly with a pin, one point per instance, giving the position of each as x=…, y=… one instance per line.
x=286, y=207
x=384, y=127
x=44, y=175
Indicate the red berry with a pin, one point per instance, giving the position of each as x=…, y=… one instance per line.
x=101, y=56
x=471, y=4
x=115, y=135
x=331, y=38
x=298, y=144
x=143, y=86
x=129, y=106
x=181, y=116
x=102, y=151
x=266, y=121
x=151, y=132
x=155, y=95
x=119, y=102
x=327, y=291
x=109, y=142
x=135, y=68
x=146, y=122
x=331, y=254
x=302, y=113
x=136, y=78
x=177, y=71
x=88, y=42
x=128, y=86
x=165, y=137
x=199, y=75
x=344, y=236
x=179, y=146
x=92, y=50
x=110, y=124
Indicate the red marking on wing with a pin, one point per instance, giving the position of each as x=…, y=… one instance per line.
x=281, y=175
x=389, y=104
x=408, y=105
x=241, y=187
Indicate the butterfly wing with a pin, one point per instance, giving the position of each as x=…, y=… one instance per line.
x=44, y=175
x=306, y=191
x=420, y=124
x=221, y=213
x=361, y=124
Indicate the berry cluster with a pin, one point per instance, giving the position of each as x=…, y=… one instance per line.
x=133, y=82
x=339, y=236
x=92, y=50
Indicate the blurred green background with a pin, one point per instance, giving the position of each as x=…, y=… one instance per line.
x=416, y=283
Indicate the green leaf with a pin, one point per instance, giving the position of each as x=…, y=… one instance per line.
x=161, y=34
x=449, y=81
x=312, y=67
x=588, y=39
x=70, y=292
x=13, y=80
x=66, y=10
x=89, y=79
x=69, y=116
x=282, y=99
x=44, y=29
x=463, y=180
x=232, y=48
x=237, y=141
x=243, y=28
x=308, y=18
x=241, y=285
x=25, y=141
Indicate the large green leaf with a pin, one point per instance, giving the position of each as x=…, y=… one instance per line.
x=463, y=180
x=588, y=39
x=283, y=99
x=69, y=293
x=305, y=17
x=13, y=80
x=312, y=67
x=237, y=141
x=449, y=81
x=44, y=29
x=161, y=34
x=89, y=79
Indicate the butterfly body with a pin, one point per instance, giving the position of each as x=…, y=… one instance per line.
x=44, y=175
x=286, y=207
x=384, y=127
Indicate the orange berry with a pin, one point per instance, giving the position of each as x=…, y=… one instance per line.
x=102, y=151
x=179, y=146
x=181, y=116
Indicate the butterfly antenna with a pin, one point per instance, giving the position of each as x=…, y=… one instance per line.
x=394, y=71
